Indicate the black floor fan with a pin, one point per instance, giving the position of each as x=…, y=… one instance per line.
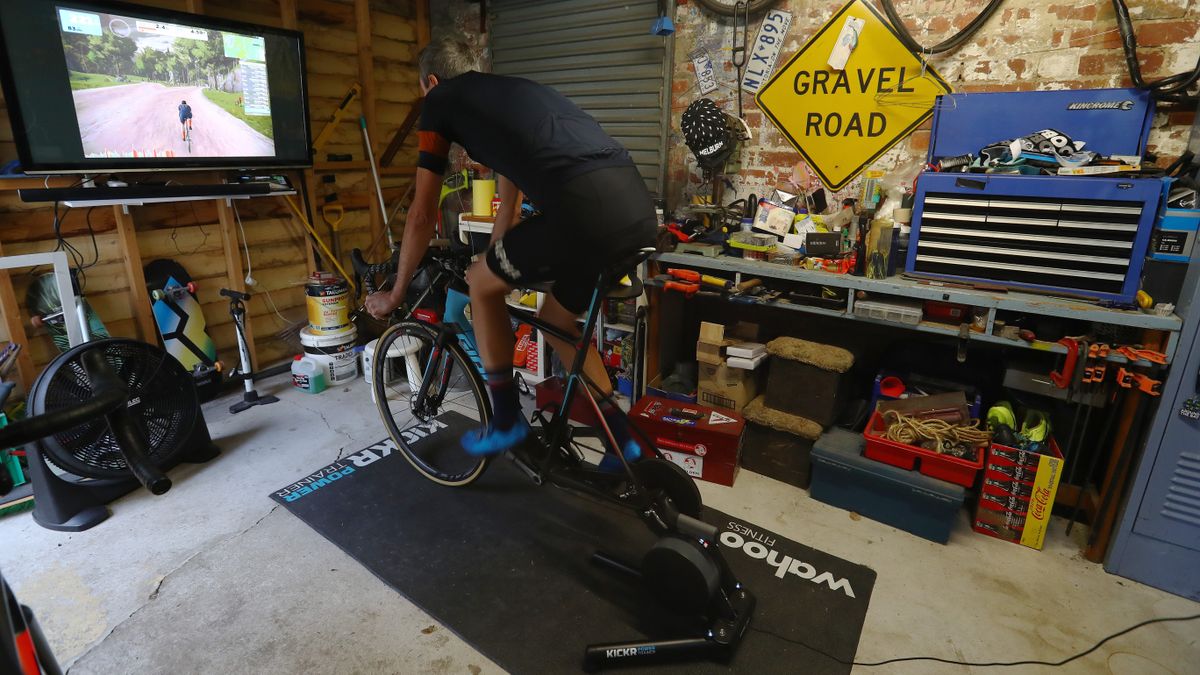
x=77, y=471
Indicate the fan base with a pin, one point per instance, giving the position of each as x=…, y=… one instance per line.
x=70, y=507
x=73, y=507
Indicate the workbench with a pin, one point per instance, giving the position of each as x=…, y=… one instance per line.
x=902, y=287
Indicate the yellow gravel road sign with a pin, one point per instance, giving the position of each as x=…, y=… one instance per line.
x=841, y=121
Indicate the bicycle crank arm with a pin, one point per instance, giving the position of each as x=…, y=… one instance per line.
x=526, y=468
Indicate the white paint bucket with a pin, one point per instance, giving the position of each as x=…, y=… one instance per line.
x=334, y=351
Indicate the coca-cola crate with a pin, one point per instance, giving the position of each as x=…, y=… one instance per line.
x=1018, y=492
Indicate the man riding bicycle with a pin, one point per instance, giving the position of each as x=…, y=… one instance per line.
x=595, y=212
x=185, y=118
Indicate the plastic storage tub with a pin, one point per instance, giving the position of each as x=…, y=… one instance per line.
x=893, y=311
x=918, y=504
x=933, y=464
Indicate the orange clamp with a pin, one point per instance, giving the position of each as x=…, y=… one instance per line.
x=1145, y=384
x=1137, y=354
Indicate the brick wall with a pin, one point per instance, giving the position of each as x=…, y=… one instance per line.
x=1027, y=44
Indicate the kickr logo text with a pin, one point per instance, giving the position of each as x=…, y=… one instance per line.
x=752, y=544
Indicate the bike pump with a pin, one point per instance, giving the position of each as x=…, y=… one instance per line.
x=245, y=372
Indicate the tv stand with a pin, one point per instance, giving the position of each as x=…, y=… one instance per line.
x=136, y=195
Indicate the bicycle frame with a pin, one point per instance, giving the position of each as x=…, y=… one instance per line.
x=558, y=428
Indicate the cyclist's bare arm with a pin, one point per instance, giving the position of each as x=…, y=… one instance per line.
x=510, y=207
x=418, y=230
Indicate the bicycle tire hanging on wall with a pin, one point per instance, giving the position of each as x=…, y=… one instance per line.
x=729, y=7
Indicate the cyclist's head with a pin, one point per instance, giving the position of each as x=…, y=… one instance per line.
x=445, y=58
x=183, y=103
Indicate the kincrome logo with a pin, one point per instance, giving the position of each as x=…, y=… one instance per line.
x=758, y=546
x=622, y=652
x=1101, y=105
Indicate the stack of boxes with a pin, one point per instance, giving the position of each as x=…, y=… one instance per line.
x=728, y=374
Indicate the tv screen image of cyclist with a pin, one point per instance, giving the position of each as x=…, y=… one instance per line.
x=152, y=89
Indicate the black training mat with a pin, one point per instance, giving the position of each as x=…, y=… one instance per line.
x=506, y=565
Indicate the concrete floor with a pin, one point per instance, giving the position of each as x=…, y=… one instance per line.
x=214, y=578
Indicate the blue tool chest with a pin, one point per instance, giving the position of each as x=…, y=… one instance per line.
x=1078, y=236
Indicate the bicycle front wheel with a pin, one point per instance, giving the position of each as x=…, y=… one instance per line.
x=407, y=355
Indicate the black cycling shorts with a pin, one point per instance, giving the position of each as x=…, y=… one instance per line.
x=595, y=221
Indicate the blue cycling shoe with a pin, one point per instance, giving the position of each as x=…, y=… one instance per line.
x=610, y=463
x=492, y=441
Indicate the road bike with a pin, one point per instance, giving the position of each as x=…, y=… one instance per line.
x=684, y=568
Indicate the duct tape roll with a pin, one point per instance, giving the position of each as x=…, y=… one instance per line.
x=902, y=216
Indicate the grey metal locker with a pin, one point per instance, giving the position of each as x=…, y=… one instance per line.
x=1158, y=536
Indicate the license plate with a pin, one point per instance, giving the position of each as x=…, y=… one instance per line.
x=765, y=50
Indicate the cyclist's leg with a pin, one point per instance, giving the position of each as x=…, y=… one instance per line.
x=577, y=292
x=494, y=339
x=553, y=313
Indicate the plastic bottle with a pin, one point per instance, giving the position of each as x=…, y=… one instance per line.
x=308, y=375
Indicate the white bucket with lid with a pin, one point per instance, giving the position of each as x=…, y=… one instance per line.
x=334, y=351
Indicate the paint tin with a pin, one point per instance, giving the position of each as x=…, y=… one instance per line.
x=328, y=302
x=334, y=352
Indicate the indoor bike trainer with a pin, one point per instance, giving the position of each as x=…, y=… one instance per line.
x=684, y=569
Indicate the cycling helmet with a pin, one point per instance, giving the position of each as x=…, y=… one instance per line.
x=706, y=131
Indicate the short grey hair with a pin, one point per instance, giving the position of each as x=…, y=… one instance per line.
x=447, y=57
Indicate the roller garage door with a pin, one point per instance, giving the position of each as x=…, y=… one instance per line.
x=601, y=55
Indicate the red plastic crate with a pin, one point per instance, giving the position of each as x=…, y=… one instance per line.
x=936, y=465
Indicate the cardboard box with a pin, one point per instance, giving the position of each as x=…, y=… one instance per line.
x=714, y=339
x=654, y=388
x=1018, y=494
x=704, y=441
x=723, y=386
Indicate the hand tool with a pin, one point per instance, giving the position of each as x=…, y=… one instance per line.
x=1137, y=354
x=1143, y=383
x=1062, y=378
x=693, y=276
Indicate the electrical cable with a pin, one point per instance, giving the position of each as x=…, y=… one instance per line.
x=1172, y=88
x=245, y=242
x=92, y=233
x=250, y=269
x=980, y=664
x=949, y=44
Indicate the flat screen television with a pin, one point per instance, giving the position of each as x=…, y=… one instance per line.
x=94, y=87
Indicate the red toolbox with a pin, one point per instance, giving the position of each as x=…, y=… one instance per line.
x=704, y=441
x=1018, y=493
x=930, y=463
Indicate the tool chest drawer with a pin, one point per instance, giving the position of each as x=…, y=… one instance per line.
x=1071, y=236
